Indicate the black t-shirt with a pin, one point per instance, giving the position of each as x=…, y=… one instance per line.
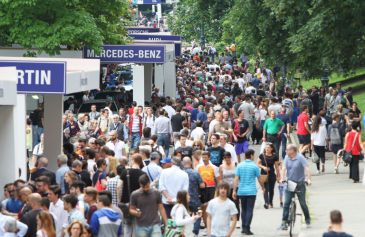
x=243, y=128
x=355, y=112
x=216, y=155
x=176, y=122
x=269, y=161
x=185, y=151
x=336, y=234
x=134, y=175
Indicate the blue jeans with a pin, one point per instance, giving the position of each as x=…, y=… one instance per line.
x=284, y=140
x=163, y=139
x=136, y=138
x=301, y=197
x=36, y=134
x=247, y=205
x=148, y=231
x=196, y=227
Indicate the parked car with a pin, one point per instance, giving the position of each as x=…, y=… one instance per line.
x=100, y=104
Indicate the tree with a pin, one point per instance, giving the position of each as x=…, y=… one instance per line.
x=49, y=25
x=193, y=19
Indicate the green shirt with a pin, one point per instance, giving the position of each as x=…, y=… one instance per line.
x=273, y=126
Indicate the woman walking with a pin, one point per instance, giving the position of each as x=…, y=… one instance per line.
x=353, y=144
x=269, y=164
x=227, y=172
x=318, y=141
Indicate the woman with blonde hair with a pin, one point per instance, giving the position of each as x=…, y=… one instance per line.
x=76, y=229
x=45, y=225
x=70, y=178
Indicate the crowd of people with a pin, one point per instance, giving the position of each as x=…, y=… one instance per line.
x=182, y=164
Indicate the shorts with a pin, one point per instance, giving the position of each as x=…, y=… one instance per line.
x=241, y=148
x=304, y=139
x=335, y=148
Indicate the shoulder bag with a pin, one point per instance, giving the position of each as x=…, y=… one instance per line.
x=264, y=177
x=348, y=154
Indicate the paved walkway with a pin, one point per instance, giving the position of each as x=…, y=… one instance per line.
x=329, y=191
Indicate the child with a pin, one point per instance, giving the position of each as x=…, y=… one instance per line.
x=282, y=187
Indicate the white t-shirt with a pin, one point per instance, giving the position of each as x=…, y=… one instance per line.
x=319, y=138
x=221, y=213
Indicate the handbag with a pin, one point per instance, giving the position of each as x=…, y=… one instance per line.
x=264, y=177
x=315, y=158
x=172, y=230
x=99, y=185
x=348, y=154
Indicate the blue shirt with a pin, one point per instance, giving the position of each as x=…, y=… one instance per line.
x=194, y=186
x=194, y=114
x=295, y=168
x=202, y=116
x=13, y=205
x=60, y=177
x=248, y=172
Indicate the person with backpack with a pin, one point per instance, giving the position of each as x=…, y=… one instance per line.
x=335, y=133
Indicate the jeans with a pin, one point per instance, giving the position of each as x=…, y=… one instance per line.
x=163, y=139
x=196, y=226
x=36, y=134
x=284, y=140
x=136, y=138
x=247, y=205
x=148, y=231
x=301, y=197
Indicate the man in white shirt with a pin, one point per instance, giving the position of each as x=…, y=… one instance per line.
x=274, y=106
x=198, y=132
x=172, y=180
x=168, y=108
x=22, y=228
x=228, y=147
x=153, y=170
x=115, y=144
x=57, y=209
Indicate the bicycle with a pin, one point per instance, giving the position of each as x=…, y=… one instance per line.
x=293, y=212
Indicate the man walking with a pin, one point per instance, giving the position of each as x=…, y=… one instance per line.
x=172, y=180
x=222, y=213
x=272, y=130
x=163, y=131
x=246, y=174
x=146, y=205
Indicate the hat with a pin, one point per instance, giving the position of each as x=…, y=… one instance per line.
x=166, y=160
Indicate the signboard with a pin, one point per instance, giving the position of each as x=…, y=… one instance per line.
x=128, y=53
x=39, y=76
x=155, y=37
x=140, y=2
x=138, y=30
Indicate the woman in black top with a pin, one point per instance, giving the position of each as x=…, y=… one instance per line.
x=269, y=164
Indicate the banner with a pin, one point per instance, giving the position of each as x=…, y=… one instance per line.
x=139, y=30
x=155, y=37
x=128, y=53
x=39, y=76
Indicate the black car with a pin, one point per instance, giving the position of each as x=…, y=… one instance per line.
x=100, y=104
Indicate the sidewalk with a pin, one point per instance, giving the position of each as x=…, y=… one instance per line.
x=336, y=191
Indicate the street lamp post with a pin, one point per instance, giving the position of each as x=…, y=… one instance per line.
x=325, y=77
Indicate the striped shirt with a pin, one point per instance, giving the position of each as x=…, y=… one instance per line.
x=247, y=171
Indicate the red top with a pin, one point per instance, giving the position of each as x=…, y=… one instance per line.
x=350, y=139
x=302, y=119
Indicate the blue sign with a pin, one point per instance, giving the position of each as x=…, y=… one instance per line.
x=140, y=2
x=151, y=37
x=38, y=76
x=138, y=30
x=128, y=53
x=155, y=37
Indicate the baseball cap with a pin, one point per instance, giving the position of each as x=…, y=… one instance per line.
x=166, y=160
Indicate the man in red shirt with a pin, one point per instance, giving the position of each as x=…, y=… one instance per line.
x=303, y=130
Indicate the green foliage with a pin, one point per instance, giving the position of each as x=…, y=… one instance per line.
x=193, y=16
x=48, y=25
